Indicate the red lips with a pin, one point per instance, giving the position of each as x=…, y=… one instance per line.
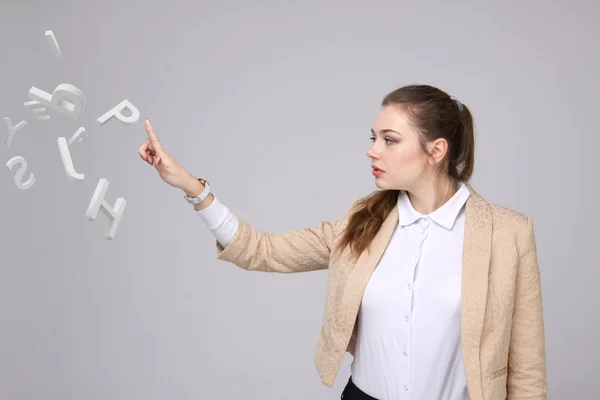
x=375, y=168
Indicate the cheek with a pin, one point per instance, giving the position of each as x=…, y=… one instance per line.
x=406, y=157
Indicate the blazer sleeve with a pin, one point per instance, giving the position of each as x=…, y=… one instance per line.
x=298, y=250
x=527, y=353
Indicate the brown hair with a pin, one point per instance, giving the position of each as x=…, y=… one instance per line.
x=434, y=114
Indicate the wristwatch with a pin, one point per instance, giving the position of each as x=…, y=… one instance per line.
x=197, y=199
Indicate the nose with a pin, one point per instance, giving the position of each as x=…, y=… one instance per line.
x=371, y=154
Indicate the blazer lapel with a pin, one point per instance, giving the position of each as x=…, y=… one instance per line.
x=476, y=261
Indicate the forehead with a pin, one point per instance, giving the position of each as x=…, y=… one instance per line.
x=390, y=117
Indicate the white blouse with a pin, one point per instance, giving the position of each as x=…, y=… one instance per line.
x=408, y=344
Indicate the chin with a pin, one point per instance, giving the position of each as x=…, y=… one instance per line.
x=381, y=184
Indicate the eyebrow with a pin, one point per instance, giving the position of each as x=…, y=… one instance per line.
x=384, y=131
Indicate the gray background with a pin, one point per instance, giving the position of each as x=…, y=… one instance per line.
x=273, y=104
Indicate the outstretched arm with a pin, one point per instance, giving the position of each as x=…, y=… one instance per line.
x=299, y=250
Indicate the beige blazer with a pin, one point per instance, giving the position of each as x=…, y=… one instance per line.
x=502, y=323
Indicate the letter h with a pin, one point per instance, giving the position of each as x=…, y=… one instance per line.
x=98, y=203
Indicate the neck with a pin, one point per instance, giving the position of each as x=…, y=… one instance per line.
x=430, y=196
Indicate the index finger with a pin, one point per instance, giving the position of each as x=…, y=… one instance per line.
x=152, y=135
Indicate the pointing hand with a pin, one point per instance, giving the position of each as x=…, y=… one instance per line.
x=168, y=168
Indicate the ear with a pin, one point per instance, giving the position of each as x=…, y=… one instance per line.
x=438, y=149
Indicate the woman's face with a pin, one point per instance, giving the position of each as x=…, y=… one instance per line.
x=397, y=151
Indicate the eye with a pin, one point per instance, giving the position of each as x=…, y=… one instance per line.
x=387, y=140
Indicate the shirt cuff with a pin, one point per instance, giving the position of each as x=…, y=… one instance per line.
x=221, y=222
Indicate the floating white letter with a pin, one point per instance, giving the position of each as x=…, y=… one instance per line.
x=53, y=43
x=20, y=172
x=13, y=129
x=65, y=154
x=98, y=203
x=66, y=99
x=117, y=111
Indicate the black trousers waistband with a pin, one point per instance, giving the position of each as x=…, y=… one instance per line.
x=352, y=392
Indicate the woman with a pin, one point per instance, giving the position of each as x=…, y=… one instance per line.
x=434, y=291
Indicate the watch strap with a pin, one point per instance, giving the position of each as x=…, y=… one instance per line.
x=197, y=199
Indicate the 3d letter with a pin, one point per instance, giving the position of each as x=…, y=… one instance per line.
x=66, y=99
x=20, y=172
x=98, y=202
x=13, y=129
x=78, y=136
x=53, y=43
x=117, y=111
x=65, y=154
x=39, y=110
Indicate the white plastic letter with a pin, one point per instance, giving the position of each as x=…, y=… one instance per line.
x=117, y=111
x=20, y=172
x=66, y=99
x=53, y=43
x=65, y=155
x=13, y=129
x=78, y=136
x=98, y=203
x=39, y=110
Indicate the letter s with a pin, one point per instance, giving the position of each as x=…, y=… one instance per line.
x=21, y=172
